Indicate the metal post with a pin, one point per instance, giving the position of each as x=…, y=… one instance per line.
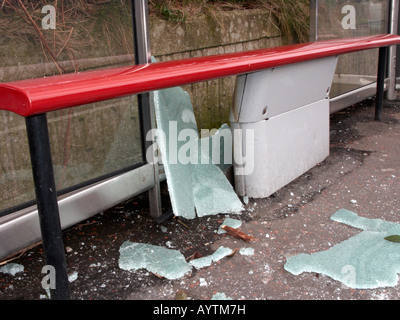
x=142, y=49
x=380, y=86
x=394, y=19
x=46, y=196
x=314, y=20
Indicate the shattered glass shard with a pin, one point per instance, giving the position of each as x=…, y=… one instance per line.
x=233, y=223
x=12, y=268
x=220, y=296
x=167, y=263
x=219, y=254
x=247, y=251
x=365, y=261
x=73, y=276
x=201, y=262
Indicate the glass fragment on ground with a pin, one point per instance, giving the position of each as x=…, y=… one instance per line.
x=365, y=261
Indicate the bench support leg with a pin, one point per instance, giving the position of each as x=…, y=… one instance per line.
x=380, y=85
x=43, y=176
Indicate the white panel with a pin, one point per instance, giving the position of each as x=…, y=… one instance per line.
x=274, y=91
x=285, y=147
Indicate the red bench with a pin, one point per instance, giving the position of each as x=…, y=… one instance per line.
x=36, y=96
x=33, y=98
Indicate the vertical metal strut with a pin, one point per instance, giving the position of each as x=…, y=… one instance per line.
x=380, y=86
x=394, y=22
x=46, y=196
x=314, y=10
x=141, y=33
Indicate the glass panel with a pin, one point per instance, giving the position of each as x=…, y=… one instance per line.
x=87, y=141
x=15, y=174
x=94, y=140
x=344, y=19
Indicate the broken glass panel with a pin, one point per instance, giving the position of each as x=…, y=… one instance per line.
x=170, y=107
x=167, y=263
x=195, y=184
x=365, y=261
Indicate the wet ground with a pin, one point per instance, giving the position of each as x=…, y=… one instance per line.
x=361, y=174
